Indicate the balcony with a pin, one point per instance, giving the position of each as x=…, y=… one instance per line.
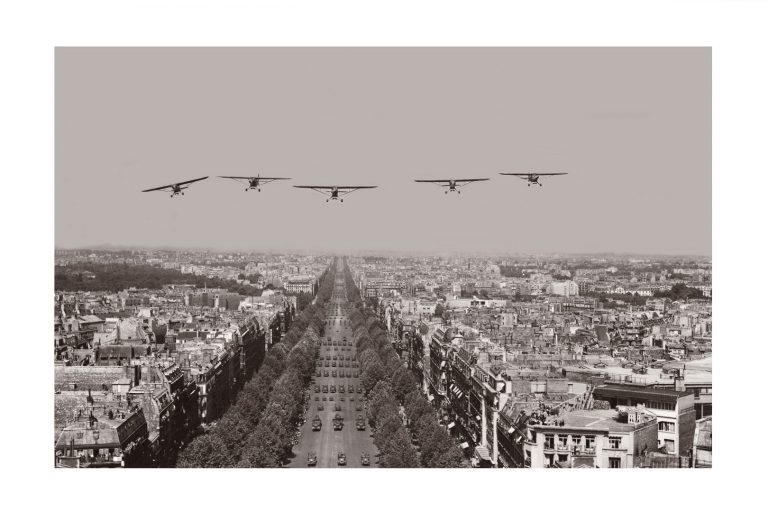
x=582, y=450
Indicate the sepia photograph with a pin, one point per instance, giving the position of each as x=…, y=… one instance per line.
x=383, y=257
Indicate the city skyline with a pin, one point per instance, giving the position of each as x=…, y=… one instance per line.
x=637, y=148
x=380, y=252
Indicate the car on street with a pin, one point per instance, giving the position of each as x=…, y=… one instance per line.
x=342, y=459
x=323, y=399
x=341, y=388
x=341, y=398
x=365, y=459
x=359, y=389
x=320, y=407
x=325, y=388
x=311, y=459
x=317, y=388
x=333, y=388
x=355, y=374
x=358, y=407
x=331, y=398
x=325, y=373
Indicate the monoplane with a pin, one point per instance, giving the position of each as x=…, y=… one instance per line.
x=334, y=192
x=532, y=177
x=254, y=182
x=176, y=188
x=453, y=185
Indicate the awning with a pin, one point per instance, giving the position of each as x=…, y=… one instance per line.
x=464, y=445
x=430, y=397
x=451, y=424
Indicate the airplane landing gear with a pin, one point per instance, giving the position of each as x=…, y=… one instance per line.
x=459, y=191
x=539, y=184
x=258, y=189
x=341, y=200
x=446, y=192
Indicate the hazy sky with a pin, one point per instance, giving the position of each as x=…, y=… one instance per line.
x=632, y=127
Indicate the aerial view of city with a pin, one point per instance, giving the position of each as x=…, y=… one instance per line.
x=383, y=258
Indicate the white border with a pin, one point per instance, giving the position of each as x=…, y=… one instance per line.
x=736, y=32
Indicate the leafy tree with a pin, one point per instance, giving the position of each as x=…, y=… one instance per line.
x=205, y=451
x=372, y=374
x=399, y=452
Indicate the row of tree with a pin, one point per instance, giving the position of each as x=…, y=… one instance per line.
x=394, y=400
x=256, y=430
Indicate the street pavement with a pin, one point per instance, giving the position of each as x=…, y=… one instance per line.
x=328, y=443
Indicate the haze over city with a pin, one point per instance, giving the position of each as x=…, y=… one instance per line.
x=632, y=127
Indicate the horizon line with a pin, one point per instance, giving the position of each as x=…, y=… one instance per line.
x=374, y=252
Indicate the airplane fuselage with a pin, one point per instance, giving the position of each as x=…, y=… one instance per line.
x=533, y=178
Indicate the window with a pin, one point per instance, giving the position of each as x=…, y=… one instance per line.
x=549, y=441
x=669, y=445
x=666, y=426
x=614, y=462
x=563, y=439
x=562, y=457
x=614, y=443
x=589, y=442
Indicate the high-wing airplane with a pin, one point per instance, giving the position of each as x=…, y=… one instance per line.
x=532, y=177
x=452, y=184
x=334, y=192
x=176, y=188
x=253, y=181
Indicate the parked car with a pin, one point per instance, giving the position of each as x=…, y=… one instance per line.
x=311, y=459
x=342, y=459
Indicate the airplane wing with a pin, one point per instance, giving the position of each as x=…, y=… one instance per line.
x=521, y=175
x=348, y=190
x=192, y=181
x=238, y=177
x=317, y=188
x=157, y=188
x=441, y=183
x=471, y=180
x=533, y=173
